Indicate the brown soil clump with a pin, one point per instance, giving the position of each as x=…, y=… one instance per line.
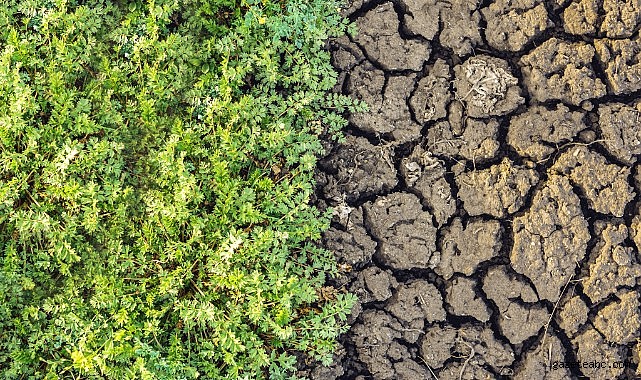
x=562, y=70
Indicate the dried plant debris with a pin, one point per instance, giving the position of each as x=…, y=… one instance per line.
x=463, y=301
x=487, y=87
x=582, y=17
x=604, y=185
x=387, y=101
x=498, y=191
x=362, y=170
x=562, y=70
x=542, y=362
x=591, y=347
x=622, y=18
x=464, y=248
x=620, y=126
x=511, y=24
x=550, y=238
x=378, y=35
x=432, y=95
x=516, y=320
x=573, y=315
x=404, y=231
x=620, y=321
x=616, y=264
x=621, y=60
x=425, y=173
x=539, y=132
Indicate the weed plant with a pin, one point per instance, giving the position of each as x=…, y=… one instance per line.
x=156, y=165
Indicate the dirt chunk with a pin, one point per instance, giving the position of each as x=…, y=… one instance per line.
x=436, y=344
x=605, y=185
x=426, y=174
x=460, y=371
x=354, y=247
x=516, y=321
x=415, y=303
x=582, y=17
x=459, y=21
x=513, y=23
x=538, y=362
x=375, y=343
x=487, y=87
x=378, y=35
x=621, y=130
x=497, y=191
x=345, y=55
x=422, y=17
x=620, y=321
x=475, y=140
x=562, y=70
x=406, y=234
x=573, y=315
x=387, y=100
x=503, y=289
x=550, y=238
x=593, y=348
x=361, y=169
x=615, y=265
x=622, y=62
x=432, y=95
x=463, y=249
x=410, y=369
x=352, y=6
x=460, y=26
x=621, y=18
x=537, y=132
x=474, y=345
x=621, y=59
x=635, y=231
x=379, y=283
x=463, y=301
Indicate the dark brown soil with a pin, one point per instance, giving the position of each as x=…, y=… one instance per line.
x=486, y=207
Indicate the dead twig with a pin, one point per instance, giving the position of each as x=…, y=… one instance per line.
x=556, y=305
x=428, y=367
x=470, y=356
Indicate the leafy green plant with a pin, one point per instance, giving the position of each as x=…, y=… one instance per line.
x=156, y=164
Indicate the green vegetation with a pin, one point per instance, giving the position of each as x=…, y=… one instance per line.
x=156, y=162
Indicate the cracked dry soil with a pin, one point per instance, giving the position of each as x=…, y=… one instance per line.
x=487, y=205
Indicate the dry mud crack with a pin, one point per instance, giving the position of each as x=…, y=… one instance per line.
x=487, y=207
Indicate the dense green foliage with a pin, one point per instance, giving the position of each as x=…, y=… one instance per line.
x=156, y=163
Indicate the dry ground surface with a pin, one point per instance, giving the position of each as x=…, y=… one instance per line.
x=487, y=205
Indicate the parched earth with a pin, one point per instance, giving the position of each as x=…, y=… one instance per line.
x=487, y=204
